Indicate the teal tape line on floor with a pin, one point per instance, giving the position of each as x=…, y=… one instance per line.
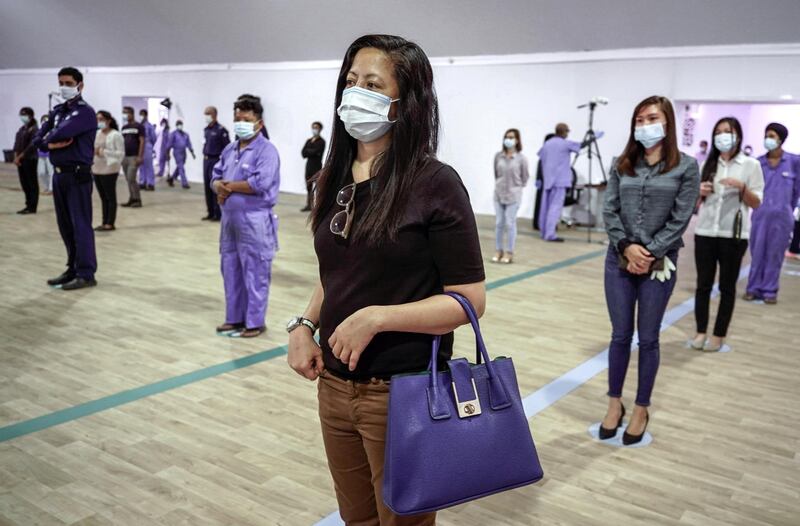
x=95, y=406
x=72, y=413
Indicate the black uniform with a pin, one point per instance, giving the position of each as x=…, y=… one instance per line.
x=312, y=151
x=23, y=145
x=216, y=140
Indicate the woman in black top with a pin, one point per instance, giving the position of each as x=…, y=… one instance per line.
x=312, y=152
x=393, y=229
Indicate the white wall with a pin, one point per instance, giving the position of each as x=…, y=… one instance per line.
x=480, y=98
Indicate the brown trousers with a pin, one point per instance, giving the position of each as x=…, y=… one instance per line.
x=353, y=417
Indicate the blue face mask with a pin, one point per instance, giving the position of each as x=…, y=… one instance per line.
x=25, y=119
x=725, y=141
x=101, y=125
x=650, y=134
x=244, y=130
x=771, y=144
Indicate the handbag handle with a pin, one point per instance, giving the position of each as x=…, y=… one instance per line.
x=497, y=391
x=480, y=347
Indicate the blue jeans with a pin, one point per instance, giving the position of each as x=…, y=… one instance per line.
x=505, y=219
x=623, y=292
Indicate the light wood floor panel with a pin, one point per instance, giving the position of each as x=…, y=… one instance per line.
x=245, y=448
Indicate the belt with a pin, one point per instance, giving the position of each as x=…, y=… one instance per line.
x=207, y=157
x=79, y=169
x=373, y=380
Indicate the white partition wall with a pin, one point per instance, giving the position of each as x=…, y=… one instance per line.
x=480, y=97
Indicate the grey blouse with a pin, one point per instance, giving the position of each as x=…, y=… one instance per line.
x=510, y=177
x=651, y=209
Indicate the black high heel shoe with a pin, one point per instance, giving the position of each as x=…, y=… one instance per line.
x=605, y=434
x=629, y=440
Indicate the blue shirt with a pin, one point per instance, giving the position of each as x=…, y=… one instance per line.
x=149, y=133
x=556, y=168
x=258, y=164
x=652, y=209
x=179, y=141
x=75, y=120
x=782, y=183
x=216, y=139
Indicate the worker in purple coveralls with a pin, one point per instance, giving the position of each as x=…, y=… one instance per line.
x=147, y=176
x=555, y=156
x=246, y=180
x=773, y=221
x=179, y=142
x=163, y=152
x=68, y=135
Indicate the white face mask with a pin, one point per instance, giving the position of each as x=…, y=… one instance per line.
x=101, y=125
x=509, y=143
x=179, y=126
x=365, y=113
x=649, y=134
x=244, y=130
x=209, y=119
x=68, y=92
x=771, y=144
x=314, y=132
x=725, y=141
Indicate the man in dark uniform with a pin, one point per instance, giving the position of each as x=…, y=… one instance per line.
x=216, y=140
x=68, y=136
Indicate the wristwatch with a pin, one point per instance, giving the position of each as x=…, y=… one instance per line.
x=298, y=321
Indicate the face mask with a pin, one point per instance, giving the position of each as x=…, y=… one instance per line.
x=509, y=143
x=365, y=114
x=68, y=92
x=101, y=125
x=209, y=119
x=649, y=134
x=314, y=132
x=144, y=119
x=179, y=126
x=770, y=143
x=244, y=130
x=124, y=117
x=25, y=119
x=725, y=141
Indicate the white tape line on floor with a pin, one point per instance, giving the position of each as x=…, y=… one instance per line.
x=551, y=393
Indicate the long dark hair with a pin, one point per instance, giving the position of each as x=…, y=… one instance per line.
x=634, y=150
x=710, y=166
x=415, y=139
x=112, y=122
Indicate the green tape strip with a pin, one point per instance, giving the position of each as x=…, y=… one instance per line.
x=95, y=406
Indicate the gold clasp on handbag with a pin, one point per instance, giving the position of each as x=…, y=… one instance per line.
x=469, y=408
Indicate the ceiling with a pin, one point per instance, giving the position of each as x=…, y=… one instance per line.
x=51, y=33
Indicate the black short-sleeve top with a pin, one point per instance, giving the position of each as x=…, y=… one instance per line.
x=437, y=245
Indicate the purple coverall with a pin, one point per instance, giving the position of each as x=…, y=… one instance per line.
x=179, y=142
x=147, y=175
x=249, y=229
x=772, y=225
x=557, y=174
x=163, y=151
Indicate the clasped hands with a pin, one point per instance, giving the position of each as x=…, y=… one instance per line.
x=347, y=343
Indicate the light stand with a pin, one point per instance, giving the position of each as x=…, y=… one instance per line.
x=590, y=140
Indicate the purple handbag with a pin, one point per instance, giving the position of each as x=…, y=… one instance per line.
x=457, y=435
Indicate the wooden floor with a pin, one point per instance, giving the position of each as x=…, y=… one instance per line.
x=244, y=448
